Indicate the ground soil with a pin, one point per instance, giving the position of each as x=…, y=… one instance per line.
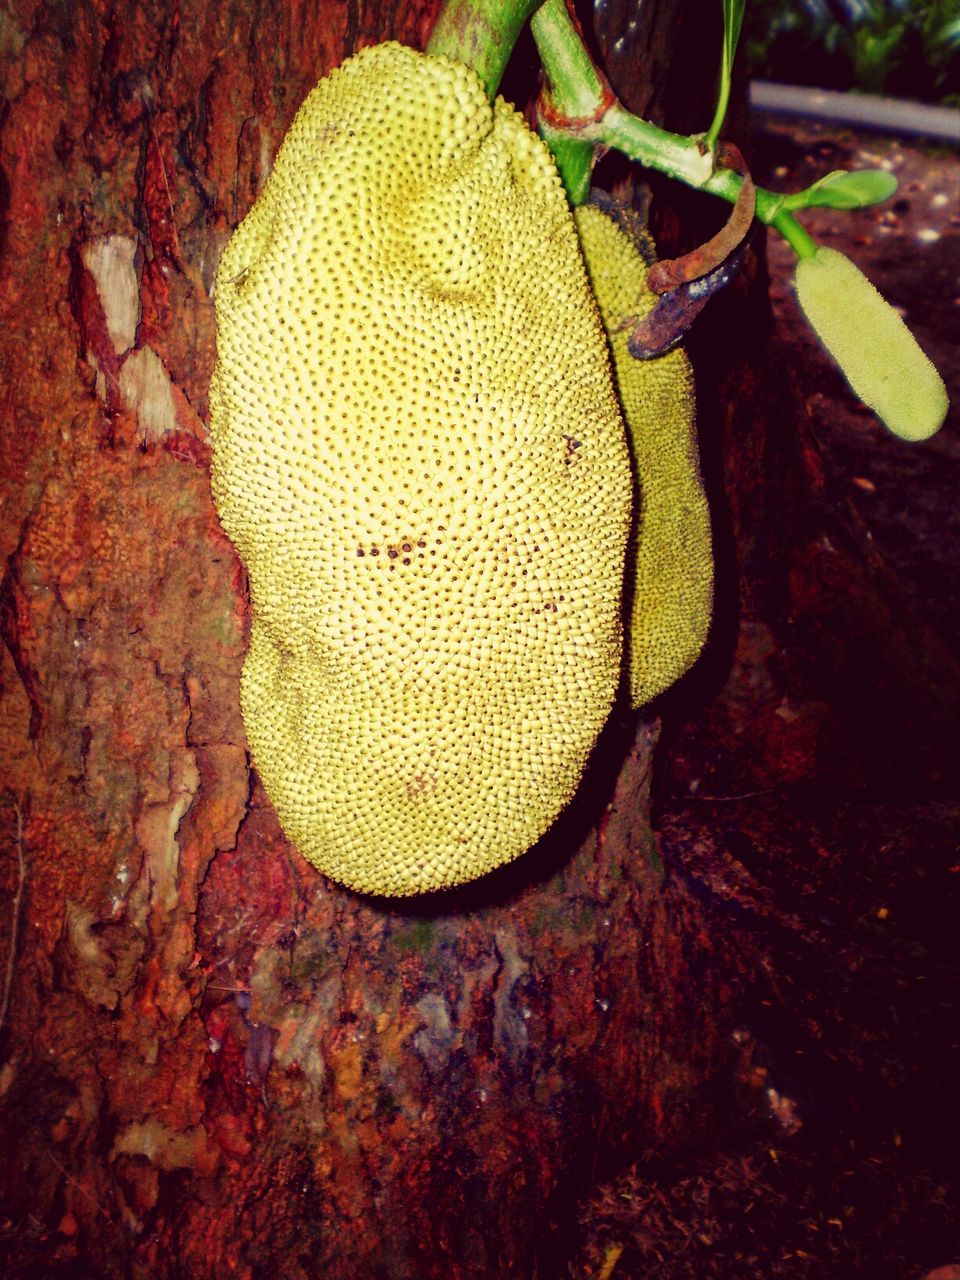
x=840, y=905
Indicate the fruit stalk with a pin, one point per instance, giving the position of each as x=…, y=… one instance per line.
x=481, y=34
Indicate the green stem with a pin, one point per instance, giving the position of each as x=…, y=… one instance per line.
x=481, y=34
x=799, y=240
x=726, y=184
x=576, y=86
x=596, y=119
x=680, y=158
x=574, y=160
x=573, y=88
x=723, y=101
x=579, y=114
x=683, y=159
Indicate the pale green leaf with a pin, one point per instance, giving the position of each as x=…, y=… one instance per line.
x=845, y=189
x=732, y=22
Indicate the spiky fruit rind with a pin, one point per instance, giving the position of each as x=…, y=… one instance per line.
x=670, y=565
x=869, y=340
x=407, y=346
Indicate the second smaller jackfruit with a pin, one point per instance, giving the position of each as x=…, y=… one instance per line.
x=878, y=354
x=670, y=566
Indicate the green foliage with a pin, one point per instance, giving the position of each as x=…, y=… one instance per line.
x=732, y=22
x=910, y=47
x=870, y=342
x=844, y=189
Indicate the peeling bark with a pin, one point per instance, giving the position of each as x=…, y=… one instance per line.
x=213, y=1060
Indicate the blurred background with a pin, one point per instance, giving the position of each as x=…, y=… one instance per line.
x=901, y=47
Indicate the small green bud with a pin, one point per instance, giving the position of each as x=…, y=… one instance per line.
x=845, y=189
x=877, y=353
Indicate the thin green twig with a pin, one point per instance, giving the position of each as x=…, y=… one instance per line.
x=581, y=107
x=573, y=87
x=799, y=240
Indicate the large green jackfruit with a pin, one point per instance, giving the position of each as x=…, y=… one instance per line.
x=420, y=458
x=670, y=565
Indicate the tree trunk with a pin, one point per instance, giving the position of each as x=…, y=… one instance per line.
x=214, y=1060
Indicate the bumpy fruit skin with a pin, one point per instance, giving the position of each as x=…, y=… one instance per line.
x=407, y=350
x=870, y=342
x=670, y=564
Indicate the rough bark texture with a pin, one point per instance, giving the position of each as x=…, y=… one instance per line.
x=213, y=1061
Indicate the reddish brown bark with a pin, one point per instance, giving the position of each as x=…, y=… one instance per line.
x=213, y=1060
